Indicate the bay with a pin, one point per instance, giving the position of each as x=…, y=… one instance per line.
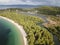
x=9, y=34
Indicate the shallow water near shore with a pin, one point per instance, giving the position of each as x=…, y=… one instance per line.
x=10, y=34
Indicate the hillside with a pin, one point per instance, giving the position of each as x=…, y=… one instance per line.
x=46, y=34
x=49, y=10
x=36, y=35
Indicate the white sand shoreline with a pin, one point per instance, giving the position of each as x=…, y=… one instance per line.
x=19, y=27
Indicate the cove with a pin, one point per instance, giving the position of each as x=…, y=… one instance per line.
x=10, y=34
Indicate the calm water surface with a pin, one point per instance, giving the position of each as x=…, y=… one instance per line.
x=9, y=34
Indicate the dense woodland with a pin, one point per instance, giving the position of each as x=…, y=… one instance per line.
x=53, y=14
x=36, y=35
x=49, y=10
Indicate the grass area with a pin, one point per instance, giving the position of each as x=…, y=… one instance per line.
x=36, y=35
x=55, y=18
x=54, y=28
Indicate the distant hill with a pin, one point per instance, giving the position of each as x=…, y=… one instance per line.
x=49, y=10
x=18, y=6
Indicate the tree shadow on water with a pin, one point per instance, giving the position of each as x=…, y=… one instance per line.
x=4, y=35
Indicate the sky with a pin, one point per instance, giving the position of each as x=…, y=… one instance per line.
x=30, y=2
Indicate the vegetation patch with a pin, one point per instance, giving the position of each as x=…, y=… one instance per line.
x=36, y=35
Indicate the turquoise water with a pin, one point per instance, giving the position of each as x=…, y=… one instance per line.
x=9, y=34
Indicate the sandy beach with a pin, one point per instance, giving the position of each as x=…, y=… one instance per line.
x=20, y=29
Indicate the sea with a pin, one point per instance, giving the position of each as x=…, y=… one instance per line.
x=9, y=34
x=17, y=6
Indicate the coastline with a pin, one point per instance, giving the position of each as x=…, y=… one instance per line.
x=20, y=29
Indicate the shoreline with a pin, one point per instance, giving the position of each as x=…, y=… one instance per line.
x=20, y=29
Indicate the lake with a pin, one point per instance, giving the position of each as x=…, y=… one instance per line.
x=9, y=34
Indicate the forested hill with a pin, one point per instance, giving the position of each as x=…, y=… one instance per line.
x=49, y=10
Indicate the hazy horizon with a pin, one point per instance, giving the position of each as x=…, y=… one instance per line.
x=30, y=2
